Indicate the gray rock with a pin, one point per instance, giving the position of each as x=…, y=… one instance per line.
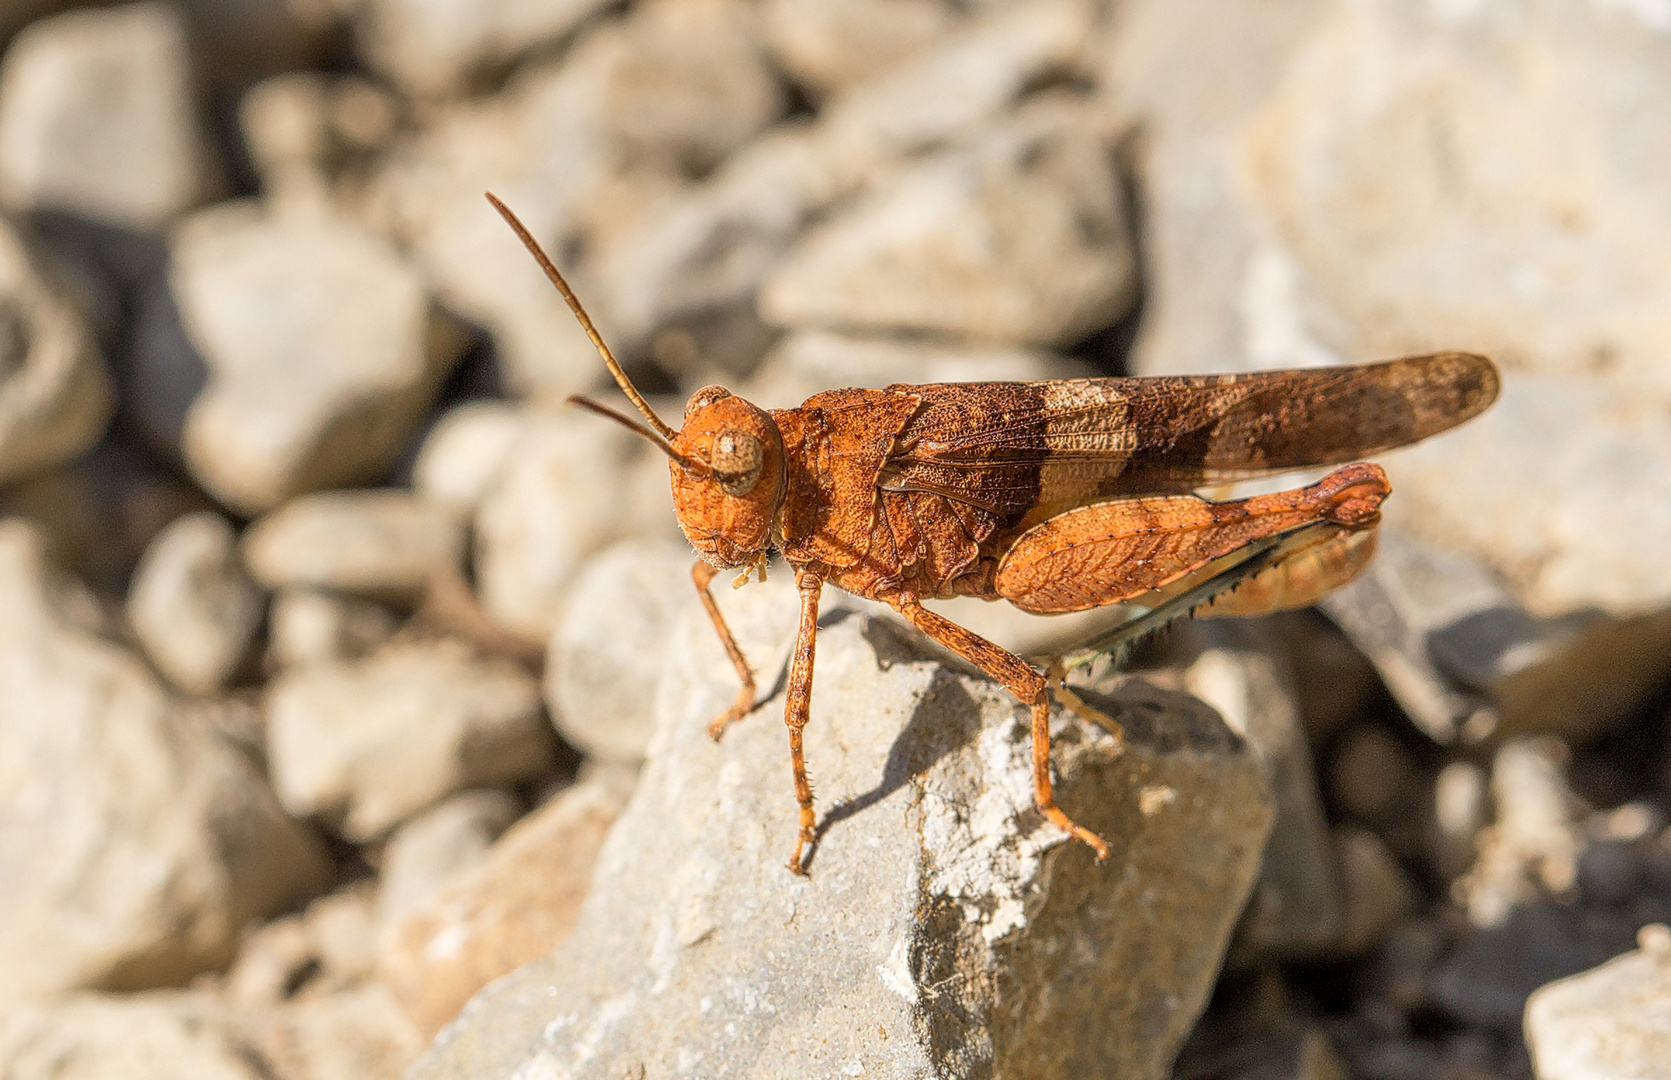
x=514, y=907
x=97, y=118
x=940, y=911
x=693, y=83
x=1609, y=1022
x=539, y=144
x=964, y=81
x=55, y=396
x=368, y=744
x=191, y=605
x=430, y=49
x=827, y=45
x=1534, y=843
x=1379, y=895
x=389, y=543
x=308, y=626
x=1021, y=237
x=1466, y=659
x=465, y=452
x=135, y=842
x=615, y=620
x=1298, y=905
x=174, y=1036
x=305, y=391
x=574, y=482
x=423, y=854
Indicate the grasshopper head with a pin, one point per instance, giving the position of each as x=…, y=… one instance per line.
x=728, y=489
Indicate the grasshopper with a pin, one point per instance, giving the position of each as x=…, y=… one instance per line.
x=1056, y=496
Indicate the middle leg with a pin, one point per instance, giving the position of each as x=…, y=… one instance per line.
x=797, y=706
x=1020, y=678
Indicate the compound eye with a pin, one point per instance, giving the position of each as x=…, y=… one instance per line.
x=737, y=459
x=704, y=398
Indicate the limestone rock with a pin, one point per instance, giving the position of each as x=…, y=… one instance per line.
x=368, y=744
x=1331, y=180
x=356, y=1034
x=55, y=396
x=615, y=621
x=516, y=906
x=1466, y=659
x=1020, y=238
x=135, y=842
x=308, y=626
x=97, y=117
x=191, y=604
x=423, y=854
x=430, y=49
x=173, y=1036
x=574, y=482
x=387, y=543
x=305, y=391
x=463, y=455
x=830, y=44
x=1609, y=1022
x=940, y=909
x=693, y=82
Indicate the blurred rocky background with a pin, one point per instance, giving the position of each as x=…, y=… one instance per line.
x=344, y=673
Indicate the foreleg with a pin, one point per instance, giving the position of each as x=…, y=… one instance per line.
x=703, y=575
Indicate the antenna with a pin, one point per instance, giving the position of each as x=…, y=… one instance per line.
x=628, y=422
x=621, y=379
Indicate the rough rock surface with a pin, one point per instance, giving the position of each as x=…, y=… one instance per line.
x=1020, y=238
x=55, y=396
x=134, y=842
x=1608, y=1023
x=940, y=909
x=389, y=543
x=191, y=605
x=370, y=743
x=97, y=117
x=305, y=392
x=516, y=906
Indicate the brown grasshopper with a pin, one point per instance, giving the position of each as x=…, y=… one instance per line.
x=1057, y=496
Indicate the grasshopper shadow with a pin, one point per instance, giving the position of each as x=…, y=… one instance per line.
x=946, y=719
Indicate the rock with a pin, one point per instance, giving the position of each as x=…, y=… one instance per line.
x=538, y=145
x=330, y=947
x=1298, y=905
x=174, y=1036
x=1466, y=660
x=431, y=50
x=940, y=905
x=388, y=543
x=311, y=137
x=615, y=621
x=515, y=906
x=357, y=1034
x=1372, y=774
x=97, y=118
x=55, y=396
x=1460, y=811
x=1378, y=894
x=960, y=84
x=309, y=627
x=368, y=744
x=135, y=842
x=1282, y=148
x=1020, y=238
x=1534, y=843
x=573, y=483
x=465, y=453
x=305, y=391
x=1609, y=1022
x=827, y=46
x=191, y=605
x=693, y=83
x=425, y=853
x=1263, y=1040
